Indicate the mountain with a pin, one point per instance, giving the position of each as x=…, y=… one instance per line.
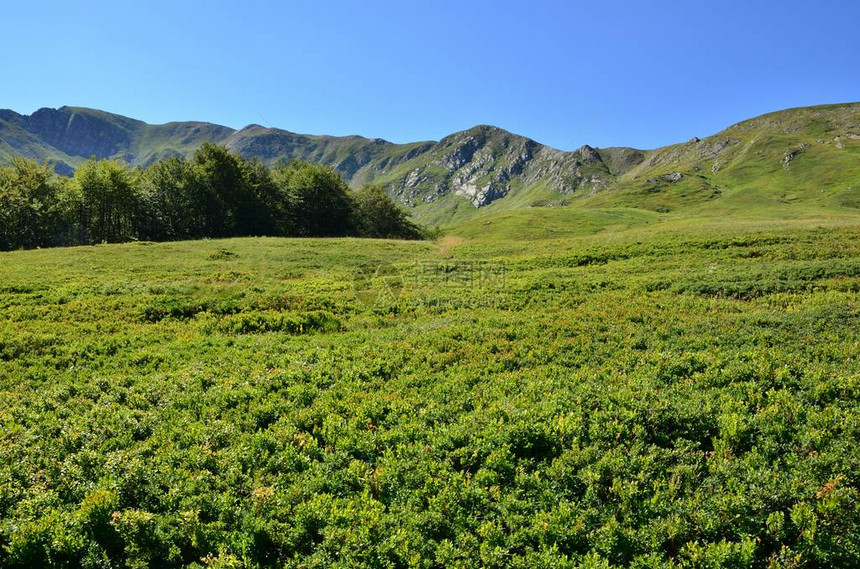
x=797, y=155
x=482, y=164
x=479, y=165
x=69, y=135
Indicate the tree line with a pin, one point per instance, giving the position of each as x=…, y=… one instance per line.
x=213, y=194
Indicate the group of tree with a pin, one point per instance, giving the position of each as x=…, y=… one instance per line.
x=213, y=194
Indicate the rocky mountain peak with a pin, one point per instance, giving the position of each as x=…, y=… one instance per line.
x=589, y=154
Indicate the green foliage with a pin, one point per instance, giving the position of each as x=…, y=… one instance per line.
x=380, y=217
x=169, y=188
x=216, y=194
x=221, y=199
x=646, y=397
x=31, y=208
x=317, y=202
x=108, y=203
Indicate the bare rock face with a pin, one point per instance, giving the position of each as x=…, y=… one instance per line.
x=671, y=178
x=589, y=154
x=789, y=156
x=462, y=154
x=480, y=196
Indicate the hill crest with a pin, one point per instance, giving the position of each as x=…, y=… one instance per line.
x=478, y=167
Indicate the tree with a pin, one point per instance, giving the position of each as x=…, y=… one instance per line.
x=220, y=195
x=317, y=202
x=110, y=208
x=30, y=214
x=379, y=216
x=267, y=205
x=168, y=192
x=215, y=194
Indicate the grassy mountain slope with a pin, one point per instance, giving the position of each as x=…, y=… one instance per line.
x=790, y=164
x=808, y=156
x=355, y=157
x=70, y=135
x=482, y=164
x=442, y=180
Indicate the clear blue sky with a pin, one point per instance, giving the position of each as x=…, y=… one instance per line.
x=660, y=72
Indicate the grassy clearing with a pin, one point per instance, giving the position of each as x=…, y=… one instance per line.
x=630, y=393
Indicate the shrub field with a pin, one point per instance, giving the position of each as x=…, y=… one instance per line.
x=651, y=397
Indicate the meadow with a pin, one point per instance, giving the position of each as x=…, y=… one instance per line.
x=615, y=389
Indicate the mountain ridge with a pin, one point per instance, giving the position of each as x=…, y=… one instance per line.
x=483, y=168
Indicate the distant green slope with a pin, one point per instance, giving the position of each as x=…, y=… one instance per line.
x=808, y=156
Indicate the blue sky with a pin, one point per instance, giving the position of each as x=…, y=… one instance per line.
x=650, y=73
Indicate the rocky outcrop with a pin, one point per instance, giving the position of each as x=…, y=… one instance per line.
x=669, y=178
x=589, y=154
x=789, y=156
x=480, y=196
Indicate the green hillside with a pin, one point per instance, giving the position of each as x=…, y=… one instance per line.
x=807, y=157
x=791, y=164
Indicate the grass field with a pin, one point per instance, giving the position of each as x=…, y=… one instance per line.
x=576, y=388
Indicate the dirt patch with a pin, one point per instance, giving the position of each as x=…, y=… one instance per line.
x=448, y=242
